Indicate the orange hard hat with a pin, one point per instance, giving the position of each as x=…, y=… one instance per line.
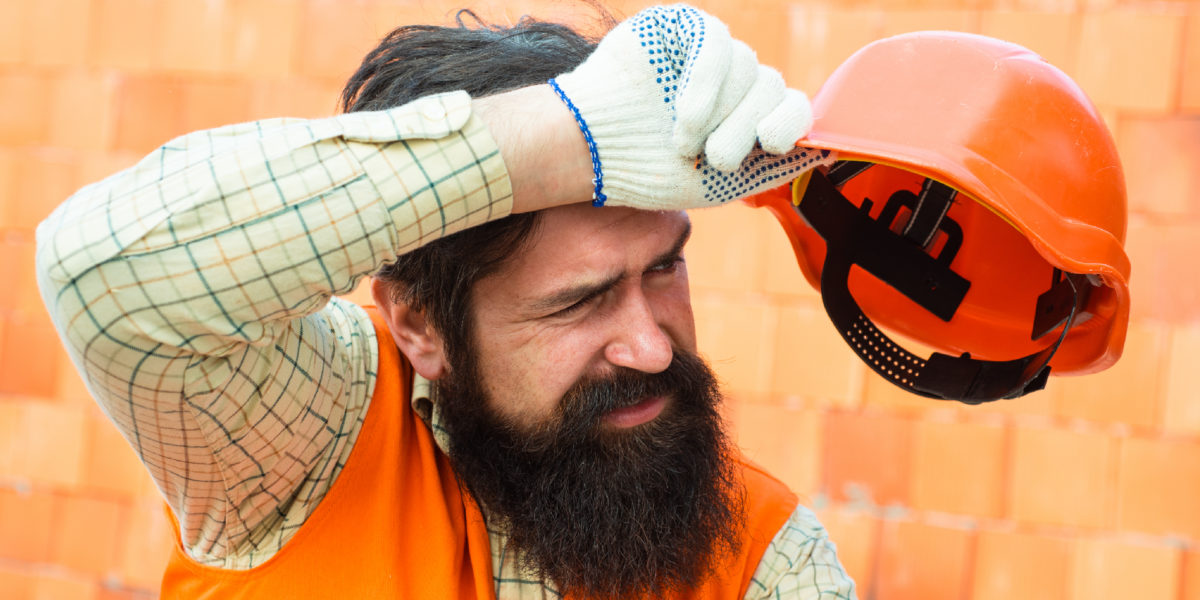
x=977, y=206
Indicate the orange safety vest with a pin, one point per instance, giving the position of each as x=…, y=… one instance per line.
x=396, y=525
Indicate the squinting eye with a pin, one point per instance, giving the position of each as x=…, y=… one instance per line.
x=669, y=266
x=563, y=312
x=572, y=308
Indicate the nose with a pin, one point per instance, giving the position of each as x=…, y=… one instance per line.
x=639, y=342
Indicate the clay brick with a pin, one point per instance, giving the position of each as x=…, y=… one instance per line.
x=56, y=585
x=783, y=274
x=149, y=113
x=261, y=39
x=54, y=444
x=1159, y=487
x=766, y=31
x=192, y=37
x=110, y=465
x=387, y=15
x=1113, y=75
x=1190, y=581
x=86, y=534
x=577, y=15
x=856, y=534
x=107, y=593
x=25, y=119
x=147, y=544
x=959, y=468
x=1161, y=252
x=918, y=560
x=16, y=260
x=96, y=166
x=1062, y=477
x=294, y=97
x=1110, y=569
x=904, y=21
x=867, y=457
x=26, y=521
x=14, y=28
x=882, y=394
x=125, y=34
x=623, y=9
x=83, y=110
x=726, y=249
x=29, y=356
x=735, y=336
x=822, y=37
x=1159, y=156
x=1037, y=404
x=209, y=103
x=10, y=168
x=1127, y=392
x=811, y=359
x=60, y=32
x=1181, y=411
x=346, y=36
x=786, y=441
x=45, y=179
x=1053, y=35
x=1021, y=565
x=1189, y=86
x=69, y=386
x=16, y=583
x=13, y=449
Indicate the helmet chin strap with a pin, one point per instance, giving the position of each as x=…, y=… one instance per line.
x=901, y=260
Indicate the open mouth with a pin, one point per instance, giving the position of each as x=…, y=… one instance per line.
x=636, y=414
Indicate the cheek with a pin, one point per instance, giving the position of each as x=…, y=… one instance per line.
x=526, y=373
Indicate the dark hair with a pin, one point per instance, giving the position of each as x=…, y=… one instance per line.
x=418, y=60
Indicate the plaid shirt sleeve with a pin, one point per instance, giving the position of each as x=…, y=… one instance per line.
x=801, y=563
x=195, y=290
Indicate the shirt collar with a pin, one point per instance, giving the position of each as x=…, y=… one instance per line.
x=425, y=404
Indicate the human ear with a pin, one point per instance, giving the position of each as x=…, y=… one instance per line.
x=412, y=333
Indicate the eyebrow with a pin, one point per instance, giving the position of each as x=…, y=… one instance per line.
x=584, y=291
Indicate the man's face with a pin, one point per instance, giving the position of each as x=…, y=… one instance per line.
x=598, y=289
x=583, y=421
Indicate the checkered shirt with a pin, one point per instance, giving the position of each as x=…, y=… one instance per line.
x=196, y=293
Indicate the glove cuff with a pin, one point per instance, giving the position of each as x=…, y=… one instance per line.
x=598, y=196
x=624, y=134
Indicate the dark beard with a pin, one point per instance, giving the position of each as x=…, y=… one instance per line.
x=600, y=512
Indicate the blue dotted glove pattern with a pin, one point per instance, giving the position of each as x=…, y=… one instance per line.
x=759, y=171
x=669, y=37
x=673, y=35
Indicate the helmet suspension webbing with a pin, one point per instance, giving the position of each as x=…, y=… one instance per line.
x=901, y=256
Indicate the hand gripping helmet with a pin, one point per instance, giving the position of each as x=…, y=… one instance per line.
x=977, y=206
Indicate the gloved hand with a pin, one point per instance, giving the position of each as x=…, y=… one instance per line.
x=669, y=83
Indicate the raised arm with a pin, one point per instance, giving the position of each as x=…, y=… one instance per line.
x=193, y=292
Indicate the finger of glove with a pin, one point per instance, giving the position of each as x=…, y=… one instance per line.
x=728, y=146
x=704, y=69
x=791, y=120
x=743, y=68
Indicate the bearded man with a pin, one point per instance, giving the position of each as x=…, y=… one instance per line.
x=523, y=414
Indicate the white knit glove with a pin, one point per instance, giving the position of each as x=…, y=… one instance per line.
x=668, y=83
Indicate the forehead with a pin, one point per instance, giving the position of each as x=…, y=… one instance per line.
x=579, y=242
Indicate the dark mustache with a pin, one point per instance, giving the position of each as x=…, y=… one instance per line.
x=586, y=403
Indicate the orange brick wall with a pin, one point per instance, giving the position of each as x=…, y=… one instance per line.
x=1090, y=489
